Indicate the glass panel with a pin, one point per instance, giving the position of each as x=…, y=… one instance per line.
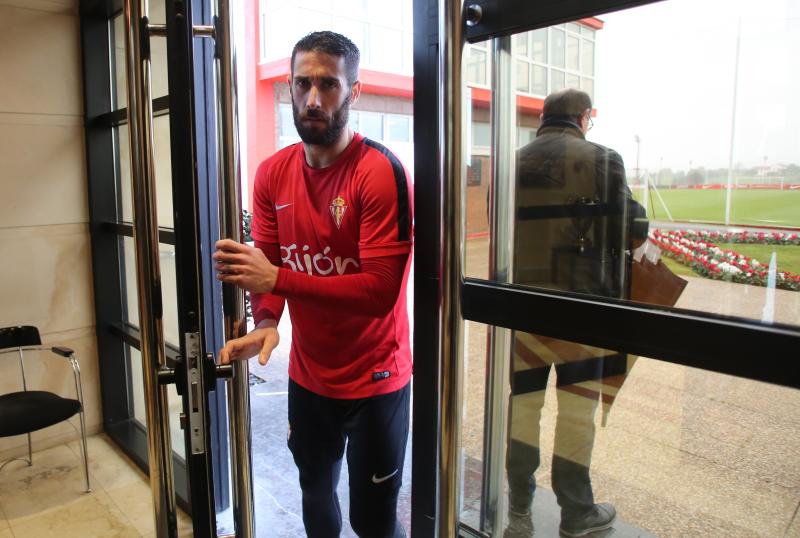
x=589, y=425
x=539, y=86
x=557, y=80
x=481, y=134
x=557, y=47
x=383, y=48
x=119, y=95
x=158, y=63
x=587, y=85
x=587, y=32
x=287, y=133
x=657, y=198
x=137, y=384
x=523, y=76
x=476, y=66
x=521, y=44
x=174, y=402
x=573, y=81
x=129, y=284
x=352, y=121
x=286, y=123
x=163, y=167
x=525, y=135
x=573, y=55
x=472, y=433
x=169, y=294
x=123, y=167
x=573, y=27
x=587, y=57
x=539, y=45
x=371, y=125
x=399, y=128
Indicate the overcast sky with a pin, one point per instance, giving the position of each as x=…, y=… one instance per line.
x=665, y=72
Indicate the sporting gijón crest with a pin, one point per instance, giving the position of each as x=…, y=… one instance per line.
x=338, y=208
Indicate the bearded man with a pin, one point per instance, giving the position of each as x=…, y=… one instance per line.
x=332, y=228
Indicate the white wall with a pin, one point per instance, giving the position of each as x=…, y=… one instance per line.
x=45, y=255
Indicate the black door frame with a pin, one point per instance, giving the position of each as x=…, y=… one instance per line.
x=705, y=341
x=107, y=229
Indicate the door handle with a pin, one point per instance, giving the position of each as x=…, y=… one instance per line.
x=233, y=303
x=148, y=271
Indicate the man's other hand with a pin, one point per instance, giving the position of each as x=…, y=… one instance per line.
x=244, y=266
x=262, y=341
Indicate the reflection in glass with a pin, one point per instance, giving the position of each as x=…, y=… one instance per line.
x=573, y=55
x=575, y=213
x=572, y=81
x=584, y=376
x=557, y=80
x=399, y=128
x=523, y=77
x=557, y=47
x=371, y=125
x=587, y=58
x=521, y=44
x=587, y=85
x=539, y=86
x=539, y=45
x=677, y=440
x=664, y=438
x=475, y=69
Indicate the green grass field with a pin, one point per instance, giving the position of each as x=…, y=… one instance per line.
x=750, y=207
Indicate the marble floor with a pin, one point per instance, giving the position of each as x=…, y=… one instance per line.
x=49, y=497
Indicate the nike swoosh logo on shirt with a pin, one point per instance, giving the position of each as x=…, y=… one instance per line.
x=279, y=207
x=376, y=480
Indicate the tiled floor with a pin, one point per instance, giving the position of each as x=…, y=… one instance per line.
x=49, y=498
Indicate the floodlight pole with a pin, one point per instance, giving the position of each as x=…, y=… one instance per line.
x=733, y=125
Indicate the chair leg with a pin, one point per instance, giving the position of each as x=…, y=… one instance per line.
x=85, y=452
x=29, y=460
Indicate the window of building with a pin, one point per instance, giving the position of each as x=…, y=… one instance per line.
x=481, y=134
x=477, y=64
x=564, y=52
x=393, y=130
x=287, y=134
x=370, y=124
x=382, y=31
x=398, y=128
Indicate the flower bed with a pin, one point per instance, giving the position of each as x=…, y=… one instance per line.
x=697, y=250
x=758, y=238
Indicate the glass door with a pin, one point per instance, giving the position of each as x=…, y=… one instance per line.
x=620, y=299
x=157, y=206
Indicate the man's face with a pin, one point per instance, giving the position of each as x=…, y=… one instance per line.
x=321, y=97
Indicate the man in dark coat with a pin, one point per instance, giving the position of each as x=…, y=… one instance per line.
x=576, y=225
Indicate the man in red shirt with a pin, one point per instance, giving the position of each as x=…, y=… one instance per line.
x=332, y=228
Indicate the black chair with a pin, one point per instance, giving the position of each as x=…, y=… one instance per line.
x=27, y=411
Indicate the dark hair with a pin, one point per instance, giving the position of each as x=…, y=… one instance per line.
x=566, y=102
x=333, y=44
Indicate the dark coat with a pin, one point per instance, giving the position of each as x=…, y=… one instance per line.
x=575, y=215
